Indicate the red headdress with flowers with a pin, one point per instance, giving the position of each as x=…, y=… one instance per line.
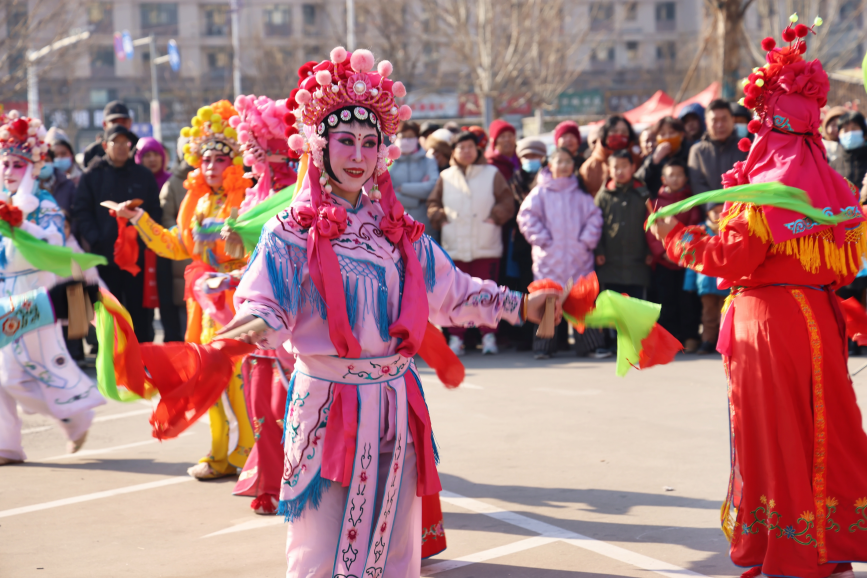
x=342, y=90
x=23, y=137
x=786, y=95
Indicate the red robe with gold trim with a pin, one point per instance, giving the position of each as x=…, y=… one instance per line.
x=798, y=488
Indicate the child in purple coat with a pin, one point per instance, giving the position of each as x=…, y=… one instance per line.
x=562, y=224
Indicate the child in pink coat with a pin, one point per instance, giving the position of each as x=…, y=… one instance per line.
x=559, y=219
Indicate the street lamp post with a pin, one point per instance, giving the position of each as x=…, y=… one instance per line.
x=151, y=42
x=33, y=68
x=235, y=8
x=350, y=25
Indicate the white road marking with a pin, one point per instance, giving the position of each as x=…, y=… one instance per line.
x=486, y=555
x=95, y=496
x=97, y=419
x=251, y=525
x=548, y=531
x=85, y=453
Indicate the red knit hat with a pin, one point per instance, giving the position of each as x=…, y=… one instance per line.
x=497, y=128
x=567, y=127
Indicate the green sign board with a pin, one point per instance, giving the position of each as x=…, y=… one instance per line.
x=580, y=102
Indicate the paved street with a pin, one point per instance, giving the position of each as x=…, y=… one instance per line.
x=551, y=469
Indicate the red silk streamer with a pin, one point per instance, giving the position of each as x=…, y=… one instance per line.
x=582, y=298
x=325, y=223
x=856, y=320
x=658, y=348
x=190, y=378
x=436, y=353
x=126, y=248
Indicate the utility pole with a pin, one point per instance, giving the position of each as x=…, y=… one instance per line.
x=350, y=25
x=235, y=7
x=33, y=68
x=156, y=121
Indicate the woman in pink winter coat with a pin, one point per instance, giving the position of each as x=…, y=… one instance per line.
x=563, y=225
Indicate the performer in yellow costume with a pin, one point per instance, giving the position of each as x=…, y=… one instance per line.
x=215, y=188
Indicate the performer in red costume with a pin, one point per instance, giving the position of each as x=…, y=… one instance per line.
x=797, y=499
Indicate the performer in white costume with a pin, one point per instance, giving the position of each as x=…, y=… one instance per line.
x=36, y=370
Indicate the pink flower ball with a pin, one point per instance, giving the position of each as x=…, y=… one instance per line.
x=385, y=68
x=362, y=60
x=243, y=136
x=234, y=121
x=249, y=160
x=393, y=152
x=323, y=77
x=296, y=142
x=338, y=55
x=302, y=96
x=398, y=89
x=258, y=168
x=404, y=113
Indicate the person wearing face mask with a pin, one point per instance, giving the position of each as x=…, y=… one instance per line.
x=670, y=135
x=742, y=116
x=717, y=151
x=851, y=161
x=692, y=117
x=413, y=174
x=830, y=132
x=55, y=181
x=616, y=134
x=214, y=188
x=64, y=154
x=116, y=177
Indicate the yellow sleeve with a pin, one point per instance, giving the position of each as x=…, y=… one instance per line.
x=164, y=242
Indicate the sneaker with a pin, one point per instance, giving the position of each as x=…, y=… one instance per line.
x=265, y=505
x=542, y=355
x=72, y=446
x=601, y=353
x=706, y=348
x=456, y=344
x=691, y=345
x=204, y=471
x=489, y=344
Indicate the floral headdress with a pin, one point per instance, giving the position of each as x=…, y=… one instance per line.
x=263, y=126
x=335, y=90
x=331, y=92
x=23, y=137
x=210, y=130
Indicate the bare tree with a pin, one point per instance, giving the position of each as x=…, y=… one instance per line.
x=30, y=25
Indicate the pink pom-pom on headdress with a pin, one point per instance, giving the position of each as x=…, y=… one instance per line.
x=338, y=55
x=249, y=160
x=393, y=152
x=323, y=77
x=296, y=142
x=404, y=113
x=243, y=126
x=385, y=68
x=398, y=89
x=362, y=60
x=303, y=96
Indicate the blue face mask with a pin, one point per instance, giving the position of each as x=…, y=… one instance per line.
x=531, y=166
x=852, y=140
x=63, y=163
x=741, y=130
x=46, y=171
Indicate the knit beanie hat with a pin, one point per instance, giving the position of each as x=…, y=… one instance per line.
x=441, y=140
x=532, y=146
x=497, y=128
x=567, y=127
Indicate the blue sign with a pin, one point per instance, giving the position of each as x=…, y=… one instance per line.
x=142, y=129
x=128, y=48
x=174, y=56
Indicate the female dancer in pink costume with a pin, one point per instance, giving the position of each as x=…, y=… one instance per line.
x=346, y=281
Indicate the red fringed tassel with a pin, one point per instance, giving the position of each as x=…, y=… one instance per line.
x=436, y=353
x=658, y=348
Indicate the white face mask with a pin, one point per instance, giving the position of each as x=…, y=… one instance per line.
x=407, y=145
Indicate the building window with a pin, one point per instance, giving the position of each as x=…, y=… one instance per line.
x=100, y=17
x=16, y=20
x=216, y=19
x=310, y=16
x=159, y=19
x=602, y=56
x=666, y=16
x=630, y=12
x=666, y=52
x=278, y=20
x=102, y=61
x=601, y=15
x=632, y=51
x=851, y=13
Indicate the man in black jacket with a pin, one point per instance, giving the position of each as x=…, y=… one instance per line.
x=117, y=178
x=115, y=112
